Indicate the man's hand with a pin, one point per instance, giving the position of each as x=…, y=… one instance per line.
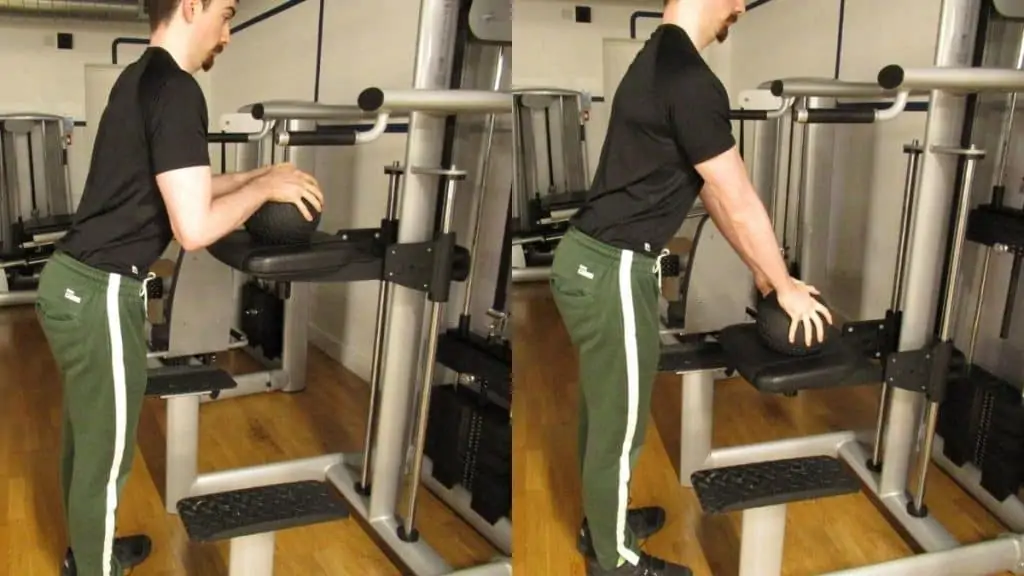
x=797, y=299
x=286, y=183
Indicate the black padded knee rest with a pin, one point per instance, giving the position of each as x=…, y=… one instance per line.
x=327, y=258
x=835, y=365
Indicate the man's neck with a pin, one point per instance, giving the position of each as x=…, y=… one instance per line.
x=688, y=19
x=176, y=47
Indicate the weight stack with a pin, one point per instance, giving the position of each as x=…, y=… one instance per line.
x=1002, y=463
x=492, y=479
x=469, y=442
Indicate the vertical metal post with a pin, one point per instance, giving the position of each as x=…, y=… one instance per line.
x=419, y=439
x=945, y=114
x=394, y=173
x=404, y=336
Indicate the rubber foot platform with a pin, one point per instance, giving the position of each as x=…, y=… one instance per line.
x=181, y=380
x=771, y=483
x=237, y=513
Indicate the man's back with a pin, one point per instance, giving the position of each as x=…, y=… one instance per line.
x=646, y=181
x=121, y=225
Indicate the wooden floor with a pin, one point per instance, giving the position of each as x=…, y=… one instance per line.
x=822, y=536
x=328, y=417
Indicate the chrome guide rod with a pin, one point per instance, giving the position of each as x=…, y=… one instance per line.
x=913, y=151
x=427, y=381
x=970, y=156
x=394, y=173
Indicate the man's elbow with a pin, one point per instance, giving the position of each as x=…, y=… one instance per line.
x=190, y=238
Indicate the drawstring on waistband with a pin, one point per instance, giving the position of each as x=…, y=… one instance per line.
x=657, y=264
x=145, y=291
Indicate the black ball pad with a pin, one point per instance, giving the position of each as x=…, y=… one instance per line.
x=773, y=372
x=280, y=223
x=773, y=324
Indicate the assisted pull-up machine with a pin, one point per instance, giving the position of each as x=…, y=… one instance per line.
x=915, y=349
x=414, y=256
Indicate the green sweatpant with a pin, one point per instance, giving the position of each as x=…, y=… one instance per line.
x=95, y=324
x=608, y=300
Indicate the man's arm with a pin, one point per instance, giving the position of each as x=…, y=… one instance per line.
x=737, y=210
x=699, y=112
x=197, y=218
x=181, y=166
x=231, y=182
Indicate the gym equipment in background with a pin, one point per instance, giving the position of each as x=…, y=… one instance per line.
x=414, y=256
x=551, y=174
x=909, y=351
x=35, y=199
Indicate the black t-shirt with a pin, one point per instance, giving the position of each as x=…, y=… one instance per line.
x=669, y=114
x=155, y=121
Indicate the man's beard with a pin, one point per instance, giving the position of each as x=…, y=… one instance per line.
x=723, y=33
x=208, y=63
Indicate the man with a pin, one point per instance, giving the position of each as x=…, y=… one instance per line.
x=149, y=181
x=669, y=139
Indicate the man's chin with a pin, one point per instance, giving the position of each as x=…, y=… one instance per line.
x=208, y=65
x=721, y=37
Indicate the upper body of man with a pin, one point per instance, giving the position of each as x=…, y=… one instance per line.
x=669, y=140
x=670, y=114
x=150, y=179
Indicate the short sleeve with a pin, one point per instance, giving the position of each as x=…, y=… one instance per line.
x=178, y=126
x=699, y=108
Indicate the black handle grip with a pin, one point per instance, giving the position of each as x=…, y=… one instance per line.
x=371, y=99
x=321, y=138
x=257, y=111
x=227, y=138
x=833, y=116
x=748, y=114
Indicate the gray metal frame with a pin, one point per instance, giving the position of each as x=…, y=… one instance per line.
x=407, y=332
x=907, y=419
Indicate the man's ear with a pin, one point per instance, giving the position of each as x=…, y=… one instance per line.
x=188, y=10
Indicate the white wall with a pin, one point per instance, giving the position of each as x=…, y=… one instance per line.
x=37, y=77
x=556, y=51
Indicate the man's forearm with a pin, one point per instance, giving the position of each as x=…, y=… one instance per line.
x=229, y=211
x=746, y=226
x=227, y=183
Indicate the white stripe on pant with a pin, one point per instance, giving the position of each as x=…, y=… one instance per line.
x=120, y=414
x=632, y=395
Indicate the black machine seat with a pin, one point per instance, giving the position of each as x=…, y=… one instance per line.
x=327, y=258
x=836, y=365
x=761, y=484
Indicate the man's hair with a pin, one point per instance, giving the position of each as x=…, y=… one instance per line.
x=161, y=11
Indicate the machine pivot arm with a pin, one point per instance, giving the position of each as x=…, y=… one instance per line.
x=442, y=101
x=962, y=80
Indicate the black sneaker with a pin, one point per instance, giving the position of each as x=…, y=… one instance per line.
x=130, y=551
x=644, y=522
x=648, y=566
